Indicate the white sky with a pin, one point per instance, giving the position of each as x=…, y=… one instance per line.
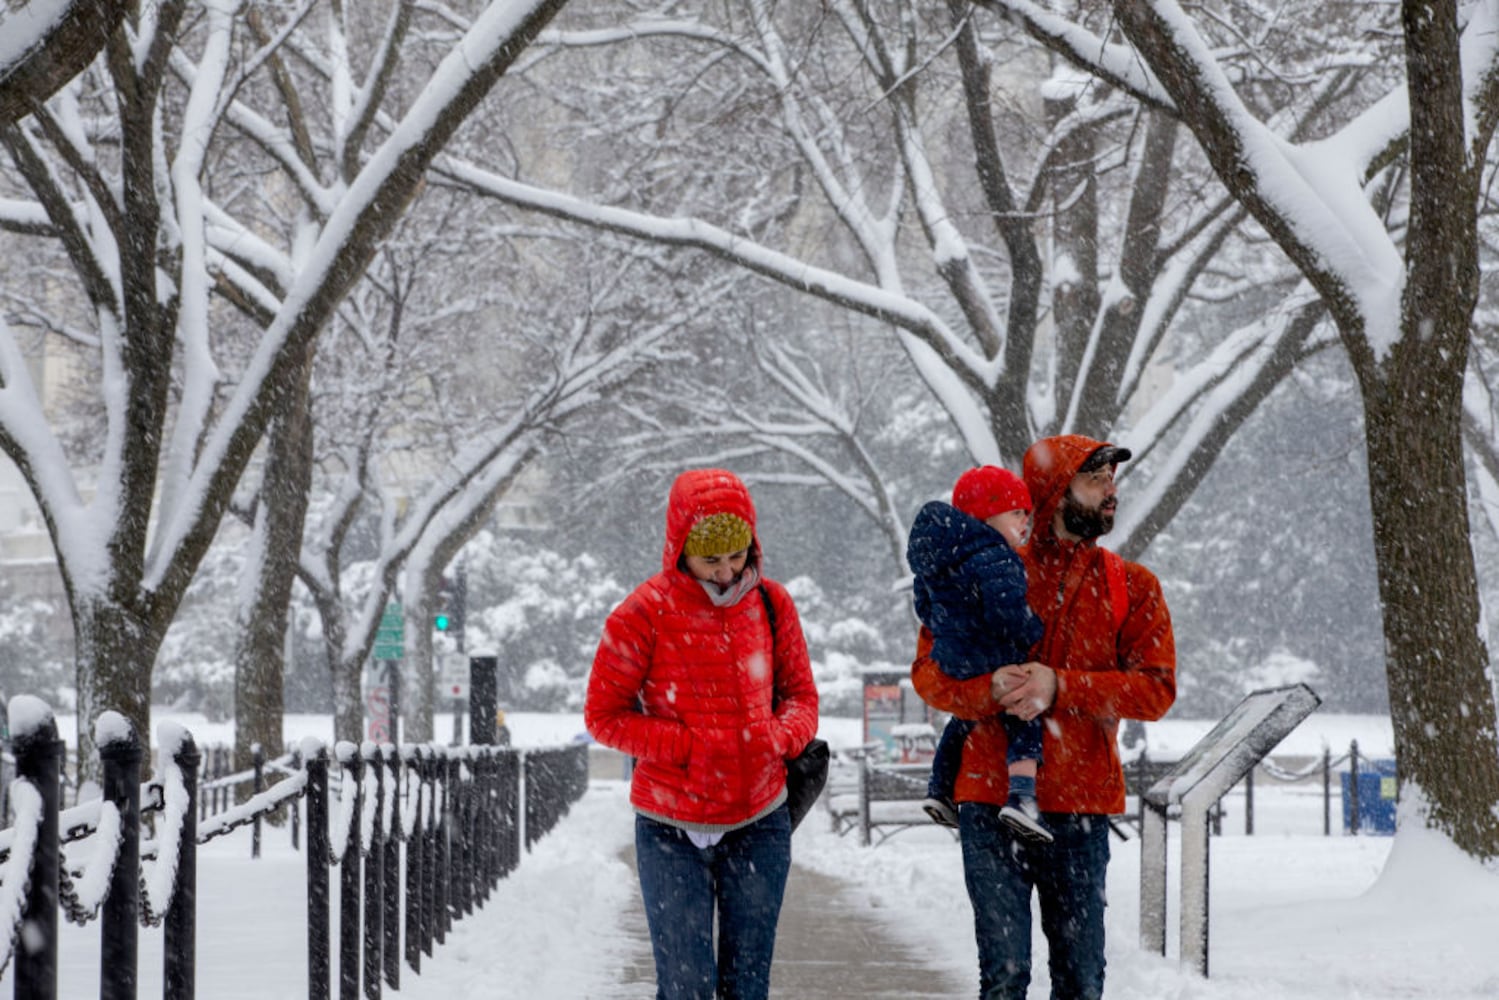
x=1295, y=915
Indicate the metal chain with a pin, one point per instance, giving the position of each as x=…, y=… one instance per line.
x=67, y=895
x=15, y=927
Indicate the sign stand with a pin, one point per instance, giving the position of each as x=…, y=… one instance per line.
x=1218, y=762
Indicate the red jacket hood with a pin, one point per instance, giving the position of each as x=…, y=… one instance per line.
x=700, y=493
x=1049, y=466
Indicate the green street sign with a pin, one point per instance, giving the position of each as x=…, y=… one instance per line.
x=390, y=634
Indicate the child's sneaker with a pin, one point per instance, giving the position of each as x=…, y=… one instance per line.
x=1022, y=815
x=942, y=811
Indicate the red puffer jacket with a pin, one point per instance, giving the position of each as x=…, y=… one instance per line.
x=702, y=696
x=1104, y=674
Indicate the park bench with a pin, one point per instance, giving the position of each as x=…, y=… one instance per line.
x=881, y=800
x=877, y=800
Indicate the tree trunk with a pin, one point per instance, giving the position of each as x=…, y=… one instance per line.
x=418, y=681
x=115, y=655
x=1441, y=693
x=348, y=699
x=260, y=651
x=1441, y=701
x=1075, y=298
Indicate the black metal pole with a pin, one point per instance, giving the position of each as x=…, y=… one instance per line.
x=414, y=851
x=374, y=871
x=391, y=884
x=257, y=757
x=120, y=755
x=296, y=814
x=1327, y=791
x=462, y=843
x=1353, y=816
x=180, y=937
x=451, y=843
x=442, y=864
x=430, y=852
x=1249, y=803
x=319, y=956
x=348, y=876
x=39, y=755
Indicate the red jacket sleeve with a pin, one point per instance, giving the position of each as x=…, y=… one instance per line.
x=611, y=709
x=970, y=699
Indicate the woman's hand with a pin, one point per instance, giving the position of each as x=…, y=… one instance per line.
x=1025, y=690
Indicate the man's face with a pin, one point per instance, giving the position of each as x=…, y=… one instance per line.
x=1087, y=510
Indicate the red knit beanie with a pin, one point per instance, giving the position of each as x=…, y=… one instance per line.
x=988, y=490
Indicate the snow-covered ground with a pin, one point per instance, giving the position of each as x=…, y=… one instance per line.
x=1295, y=915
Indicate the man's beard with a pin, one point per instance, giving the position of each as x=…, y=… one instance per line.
x=1085, y=522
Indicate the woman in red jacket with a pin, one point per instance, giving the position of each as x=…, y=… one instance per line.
x=702, y=676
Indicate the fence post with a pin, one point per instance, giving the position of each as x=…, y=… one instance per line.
x=431, y=931
x=1249, y=803
x=257, y=758
x=453, y=842
x=864, y=800
x=391, y=918
x=39, y=754
x=296, y=814
x=411, y=756
x=488, y=828
x=374, y=872
x=180, y=937
x=120, y=755
x=1353, y=787
x=508, y=807
x=463, y=855
x=351, y=784
x=1327, y=791
x=319, y=906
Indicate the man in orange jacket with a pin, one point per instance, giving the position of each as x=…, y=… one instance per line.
x=1107, y=654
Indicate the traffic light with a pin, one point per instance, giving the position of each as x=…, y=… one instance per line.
x=452, y=596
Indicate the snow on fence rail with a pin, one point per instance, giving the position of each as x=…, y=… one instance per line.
x=452, y=819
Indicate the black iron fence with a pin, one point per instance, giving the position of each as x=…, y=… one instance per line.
x=420, y=836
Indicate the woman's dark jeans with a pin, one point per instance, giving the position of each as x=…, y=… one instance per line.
x=741, y=878
x=1068, y=875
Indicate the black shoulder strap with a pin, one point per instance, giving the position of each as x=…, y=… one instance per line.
x=770, y=611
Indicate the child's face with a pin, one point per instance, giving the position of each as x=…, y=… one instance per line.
x=1013, y=524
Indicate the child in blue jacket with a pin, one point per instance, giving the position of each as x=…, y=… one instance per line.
x=970, y=593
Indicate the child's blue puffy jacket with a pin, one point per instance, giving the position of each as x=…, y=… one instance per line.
x=970, y=592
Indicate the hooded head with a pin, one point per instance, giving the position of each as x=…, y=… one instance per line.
x=709, y=509
x=1050, y=465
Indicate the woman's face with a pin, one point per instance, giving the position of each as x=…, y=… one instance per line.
x=722, y=570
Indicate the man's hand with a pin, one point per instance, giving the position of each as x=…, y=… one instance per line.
x=1025, y=690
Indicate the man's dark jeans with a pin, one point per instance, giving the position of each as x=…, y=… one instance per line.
x=742, y=878
x=1068, y=875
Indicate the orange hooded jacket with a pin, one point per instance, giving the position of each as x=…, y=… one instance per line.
x=704, y=697
x=1104, y=674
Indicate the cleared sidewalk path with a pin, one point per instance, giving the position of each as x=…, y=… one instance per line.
x=826, y=949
